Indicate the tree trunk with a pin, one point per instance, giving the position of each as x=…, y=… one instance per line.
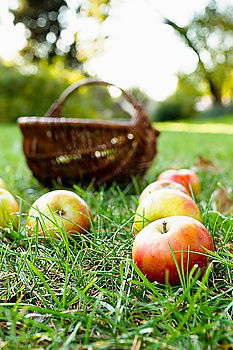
x=215, y=92
x=214, y=89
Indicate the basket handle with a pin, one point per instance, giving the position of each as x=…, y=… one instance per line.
x=55, y=109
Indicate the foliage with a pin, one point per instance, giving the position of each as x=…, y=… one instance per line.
x=188, y=91
x=168, y=110
x=180, y=105
x=87, y=293
x=217, y=111
x=30, y=90
x=140, y=96
x=209, y=35
x=48, y=27
x=27, y=93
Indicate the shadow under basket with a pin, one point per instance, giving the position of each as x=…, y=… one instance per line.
x=71, y=149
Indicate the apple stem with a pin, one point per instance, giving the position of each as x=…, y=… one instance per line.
x=60, y=212
x=164, y=227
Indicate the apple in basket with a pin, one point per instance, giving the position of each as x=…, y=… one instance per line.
x=160, y=184
x=186, y=177
x=169, y=241
x=8, y=208
x=163, y=203
x=59, y=211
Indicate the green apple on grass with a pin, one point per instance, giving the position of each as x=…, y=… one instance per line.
x=59, y=210
x=8, y=208
x=159, y=185
x=164, y=203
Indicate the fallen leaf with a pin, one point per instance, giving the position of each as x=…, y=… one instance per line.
x=222, y=202
x=203, y=164
x=229, y=246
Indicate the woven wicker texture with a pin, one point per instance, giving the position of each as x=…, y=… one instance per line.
x=59, y=148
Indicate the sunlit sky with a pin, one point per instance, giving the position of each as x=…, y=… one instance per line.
x=140, y=50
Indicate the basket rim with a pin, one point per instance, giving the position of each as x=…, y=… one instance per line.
x=32, y=120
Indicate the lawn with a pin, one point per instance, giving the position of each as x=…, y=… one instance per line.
x=219, y=125
x=220, y=119
x=87, y=294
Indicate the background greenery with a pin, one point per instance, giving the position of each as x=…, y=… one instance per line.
x=48, y=66
x=31, y=90
x=45, y=23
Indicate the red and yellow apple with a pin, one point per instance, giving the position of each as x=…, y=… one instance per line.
x=160, y=184
x=59, y=210
x=186, y=177
x=154, y=246
x=163, y=203
x=8, y=208
x=2, y=184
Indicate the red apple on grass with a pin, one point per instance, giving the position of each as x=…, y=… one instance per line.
x=160, y=184
x=186, y=177
x=186, y=237
x=163, y=203
x=59, y=210
x=8, y=208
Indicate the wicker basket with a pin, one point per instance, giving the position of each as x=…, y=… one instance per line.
x=62, y=149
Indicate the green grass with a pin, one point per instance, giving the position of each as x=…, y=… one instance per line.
x=87, y=294
x=221, y=119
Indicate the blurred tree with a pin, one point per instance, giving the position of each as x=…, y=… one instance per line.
x=140, y=96
x=188, y=93
x=48, y=29
x=31, y=89
x=209, y=35
x=182, y=103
